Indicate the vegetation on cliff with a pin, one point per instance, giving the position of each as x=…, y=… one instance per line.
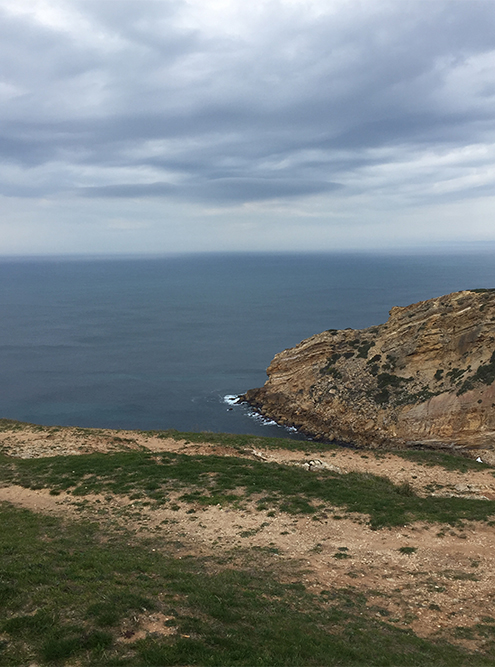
x=426, y=376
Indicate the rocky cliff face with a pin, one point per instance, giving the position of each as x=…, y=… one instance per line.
x=425, y=377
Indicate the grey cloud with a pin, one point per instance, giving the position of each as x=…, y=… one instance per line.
x=241, y=111
x=133, y=190
x=222, y=189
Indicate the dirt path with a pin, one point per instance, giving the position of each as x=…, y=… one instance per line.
x=447, y=582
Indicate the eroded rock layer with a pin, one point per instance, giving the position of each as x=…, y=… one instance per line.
x=426, y=376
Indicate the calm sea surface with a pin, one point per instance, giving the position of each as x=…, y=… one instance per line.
x=160, y=343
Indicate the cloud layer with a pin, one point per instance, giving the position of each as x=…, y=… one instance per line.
x=352, y=122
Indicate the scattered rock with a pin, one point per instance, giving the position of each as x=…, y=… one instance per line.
x=259, y=455
x=316, y=464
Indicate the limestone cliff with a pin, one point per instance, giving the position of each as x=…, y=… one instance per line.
x=426, y=377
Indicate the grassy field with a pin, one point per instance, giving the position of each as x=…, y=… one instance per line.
x=76, y=592
x=66, y=589
x=223, y=480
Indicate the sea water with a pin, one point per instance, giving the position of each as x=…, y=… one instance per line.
x=169, y=342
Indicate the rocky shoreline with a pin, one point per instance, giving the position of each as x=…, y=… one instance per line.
x=425, y=378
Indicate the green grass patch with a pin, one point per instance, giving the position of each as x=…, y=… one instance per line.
x=226, y=480
x=441, y=459
x=242, y=441
x=408, y=550
x=72, y=588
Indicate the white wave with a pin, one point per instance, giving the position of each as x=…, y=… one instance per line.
x=264, y=421
x=232, y=399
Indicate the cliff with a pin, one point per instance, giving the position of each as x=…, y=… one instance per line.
x=424, y=377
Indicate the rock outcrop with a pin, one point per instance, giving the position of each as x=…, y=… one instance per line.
x=425, y=377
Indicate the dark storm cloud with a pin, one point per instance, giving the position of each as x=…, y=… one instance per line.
x=143, y=98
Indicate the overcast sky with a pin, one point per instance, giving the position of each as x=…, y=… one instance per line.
x=160, y=126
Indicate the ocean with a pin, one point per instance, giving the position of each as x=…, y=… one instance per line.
x=162, y=343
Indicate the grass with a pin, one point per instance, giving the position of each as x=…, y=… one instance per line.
x=241, y=441
x=207, y=480
x=408, y=550
x=441, y=459
x=68, y=589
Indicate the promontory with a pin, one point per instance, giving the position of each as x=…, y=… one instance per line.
x=424, y=378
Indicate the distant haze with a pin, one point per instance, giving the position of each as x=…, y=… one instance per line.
x=163, y=126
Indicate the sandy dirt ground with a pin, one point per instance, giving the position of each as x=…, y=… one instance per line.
x=447, y=583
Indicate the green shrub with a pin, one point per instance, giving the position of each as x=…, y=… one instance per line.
x=485, y=373
x=364, y=349
x=374, y=359
x=408, y=550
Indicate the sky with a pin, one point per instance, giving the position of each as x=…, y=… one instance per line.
x=164, y=126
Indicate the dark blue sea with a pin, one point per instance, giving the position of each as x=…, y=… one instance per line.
x=160, y=343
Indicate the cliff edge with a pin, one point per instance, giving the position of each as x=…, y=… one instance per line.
x=425, y=377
